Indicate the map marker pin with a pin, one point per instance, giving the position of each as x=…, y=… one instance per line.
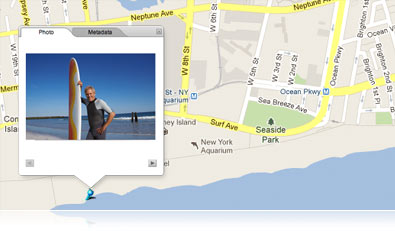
x=90, y=194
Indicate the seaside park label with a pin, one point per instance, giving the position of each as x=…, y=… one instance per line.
x=270, y=130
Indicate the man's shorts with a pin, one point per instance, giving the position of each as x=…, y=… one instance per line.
x=94, y=135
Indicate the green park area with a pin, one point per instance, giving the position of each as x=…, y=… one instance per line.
x=259, y=115
x=299, y=80
x=383, y=118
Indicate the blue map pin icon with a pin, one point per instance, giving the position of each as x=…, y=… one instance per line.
x=90, y=194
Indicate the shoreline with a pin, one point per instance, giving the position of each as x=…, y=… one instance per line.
x=46, y=117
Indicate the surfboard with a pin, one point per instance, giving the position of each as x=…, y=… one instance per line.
x=74, y=101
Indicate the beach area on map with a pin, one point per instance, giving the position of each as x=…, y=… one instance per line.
x=121, y=128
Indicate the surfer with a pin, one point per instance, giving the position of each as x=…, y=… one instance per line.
x=96, y=108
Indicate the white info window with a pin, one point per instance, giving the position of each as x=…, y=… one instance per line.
x=91, y=101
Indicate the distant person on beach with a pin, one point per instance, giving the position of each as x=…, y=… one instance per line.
x=96, y=108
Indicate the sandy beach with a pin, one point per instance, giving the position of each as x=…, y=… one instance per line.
x=121, y=128
x=37, y=136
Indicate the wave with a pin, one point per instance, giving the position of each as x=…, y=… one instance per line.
x=130, y=133
x=140, y=118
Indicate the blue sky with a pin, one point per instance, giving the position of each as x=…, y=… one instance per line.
x=125, y=81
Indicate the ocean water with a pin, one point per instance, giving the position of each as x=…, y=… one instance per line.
x=138, y=4
x=359, y=181
x=121, y=128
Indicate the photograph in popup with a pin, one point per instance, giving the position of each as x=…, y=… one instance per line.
x=90, y=96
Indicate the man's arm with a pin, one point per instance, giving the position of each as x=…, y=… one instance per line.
x=83, y=100
x=111, y=115
x=109, y=120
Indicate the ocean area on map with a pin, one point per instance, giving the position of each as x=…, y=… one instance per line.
x=358, y=181
x=138, y=4
x=121, y=128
